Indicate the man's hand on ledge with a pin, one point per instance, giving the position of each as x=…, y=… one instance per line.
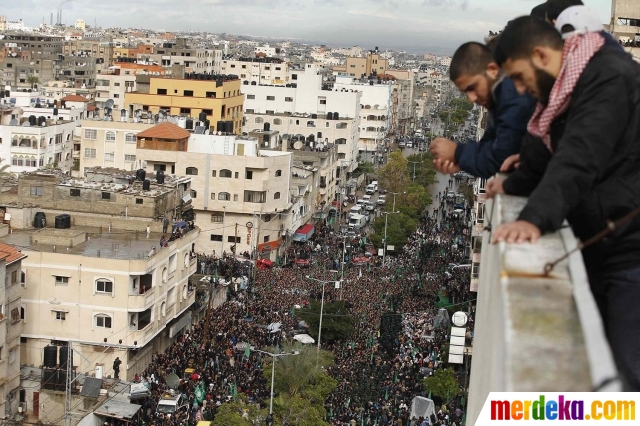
x=446, y=167
x=494, y=186
x=519, y=232
x=443, y=149
x=512, y=162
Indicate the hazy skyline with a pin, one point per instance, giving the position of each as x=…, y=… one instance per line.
x=437, y=26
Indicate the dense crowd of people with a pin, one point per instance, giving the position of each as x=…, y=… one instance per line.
x=378, y=373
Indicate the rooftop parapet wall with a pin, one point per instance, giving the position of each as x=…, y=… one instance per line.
x=534, y=333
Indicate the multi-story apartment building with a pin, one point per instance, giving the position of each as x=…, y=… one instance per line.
x=13, y=278
x=375, y=113
x=114, y=86
x=38, y=136
x=217, y=96
x=111, y=144
x=104, y=284
x=305, y=108
x=625, y=25
x=25, y=55
x=266, y=50
x=314, y=185
x=235, y=185
x=195, y=59
x=359, y=67
x=92, y=48
x=262, y=70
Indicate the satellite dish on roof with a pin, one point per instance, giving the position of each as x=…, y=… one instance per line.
x=109, y=104
x=298, y=145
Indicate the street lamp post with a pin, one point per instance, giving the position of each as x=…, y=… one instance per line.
x=273, y=372
x=414, y=168
x=386, y=217
x=394, y=199
x=321, y=308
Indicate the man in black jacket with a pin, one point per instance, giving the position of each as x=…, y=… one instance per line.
x=588, y=120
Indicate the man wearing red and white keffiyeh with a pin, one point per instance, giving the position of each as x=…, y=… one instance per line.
x=578, y=51
x=587, y=167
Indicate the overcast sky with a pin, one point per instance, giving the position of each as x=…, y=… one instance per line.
x=419, y=26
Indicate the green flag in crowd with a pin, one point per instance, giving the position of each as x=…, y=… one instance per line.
x=247, y=350
x=429, y=394
x=199, y=393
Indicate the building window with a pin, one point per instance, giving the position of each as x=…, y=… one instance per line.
x=89, y=153
x=277, y=121
x=110, y=137
x=213, y=173
x=191, y=171
x=251, y=96
x=259, y=120
x=255, y=196
x=109, y=156
x=236, y=174
x=130, y=138
x=90, y=134
x=36, y=190
x=61, y=315
x=323, y=101
x=225, y=173
x=162, y=91
x=74, y=192
x=104, y=286
x=276, y=196
x=139, y=201
x=60, y=280
x=235, y=197
x=188, y=93
x=271, y=98
x=129, y=158
x=159, y=167
x=248, y=174
x=224, y=196
x=194, y=193
x=103, y=321
x=106, y=195
x=217, y=217
x=185, y=110
x=278, y=173
x=216, y=237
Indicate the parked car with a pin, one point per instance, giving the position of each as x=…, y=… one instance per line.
x=382, y=199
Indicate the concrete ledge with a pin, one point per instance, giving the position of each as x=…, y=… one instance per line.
x=534, y=333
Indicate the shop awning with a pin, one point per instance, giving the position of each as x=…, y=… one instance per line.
x=269, y=245
x=303, y=233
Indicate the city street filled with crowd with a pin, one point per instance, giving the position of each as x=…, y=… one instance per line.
x=378, y=376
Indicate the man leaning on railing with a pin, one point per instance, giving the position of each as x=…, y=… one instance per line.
x=585, y=166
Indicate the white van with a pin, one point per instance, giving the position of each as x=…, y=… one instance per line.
x=355, y=210
x=382, y=199
x=361, y=202
x=357, y=221
x=366, y=198
x=371, y=189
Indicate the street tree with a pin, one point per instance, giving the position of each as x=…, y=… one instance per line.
x=394, y=176
x=443, y=384
x=337, y=324
x=33, y=80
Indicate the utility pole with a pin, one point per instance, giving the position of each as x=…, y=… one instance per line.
x=67, y=386
x=235, y=241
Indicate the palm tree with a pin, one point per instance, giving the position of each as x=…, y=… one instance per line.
x=33, y=80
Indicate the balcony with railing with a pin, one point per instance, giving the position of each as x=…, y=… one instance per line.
x=535, y=332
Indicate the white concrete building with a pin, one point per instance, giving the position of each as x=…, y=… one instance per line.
x=114, y=86
x=375, y=112
x=38, y=137
x=269, y=51
x=258, y=70
x=306, y=96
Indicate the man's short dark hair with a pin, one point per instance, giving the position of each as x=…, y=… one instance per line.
x=555, y=7
x=470, y=59
x=522, y=35
x=540, y=11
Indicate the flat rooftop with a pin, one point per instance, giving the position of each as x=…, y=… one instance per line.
x=118, y=244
